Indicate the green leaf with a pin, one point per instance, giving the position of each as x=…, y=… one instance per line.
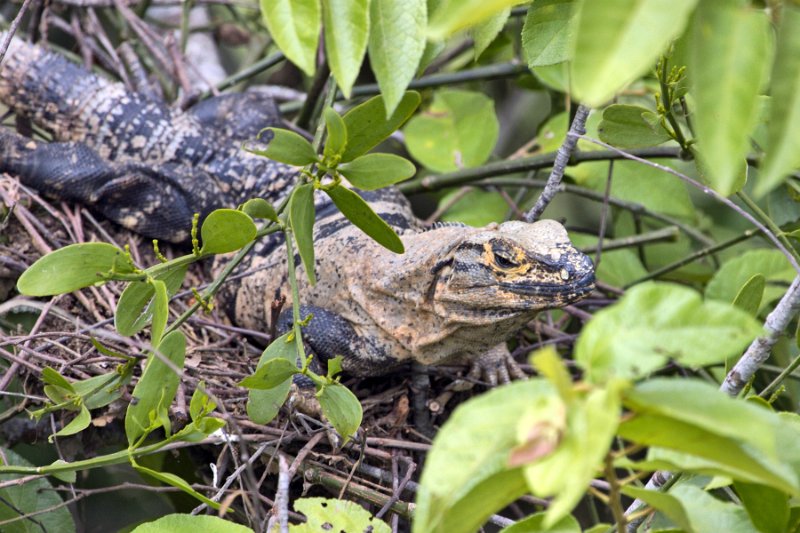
x=186, y=523
x=709, y=515
x=459, y=130
x=73, y=267
x=175, y=481
x=135, y=305
x=156, y=388
x=487, y=31
x=368, y=125
x=548, y=32
x=682, y=400
x=396, y=45
x=226, y=230
x=295, y=25
x=783, y=134
x=346, y=32
x=730, y=50
x=260, y=208
x=625, y=126
x=374, y=171
x=768, y=508
x=655, y=322
x=616, y=41
x=455, y=473
x=104, y=389
x=337, y=136
x=270, y=375
x=535, y=524
x=31, y=500
x=361, y=214
x=51, y=377
x=301, y=215
x=327, y=514
x=287, y=147
x=660, y=501
x=341, y=407
x=160, y=311
x=749, y=297
x=736, y=272
x=477, y=208
x=200, y=405
x=455, y=15
x=76, y=425
x=263, y=405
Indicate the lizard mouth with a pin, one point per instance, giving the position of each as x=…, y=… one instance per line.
x=573, y=290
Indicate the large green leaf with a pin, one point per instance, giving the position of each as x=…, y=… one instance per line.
x=459, y=130
x=73, y=267
x=451, y=16
x=295, y=26
x=263, y=405
x=666, y=503
x=783, y=145
x=396, y=44
x=535, y=524
x=453, y=472
x=373, y=171
x=346, y=32
x=767, y=507
x=631, y=126
x=548, y=32
x=20, y=501
x=729, y=57
x=368, y=124
x=729, y=280
x=361, y=214
x=616, y=41
x=655, y=322
x=326, y=514
x=156, y=389
x=186, y=523
x=707, y=514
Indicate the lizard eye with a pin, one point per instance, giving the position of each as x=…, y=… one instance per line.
x=504, y=261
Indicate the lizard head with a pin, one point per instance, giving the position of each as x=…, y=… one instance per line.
x=513, y=268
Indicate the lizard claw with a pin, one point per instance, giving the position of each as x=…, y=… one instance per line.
x=494, y=367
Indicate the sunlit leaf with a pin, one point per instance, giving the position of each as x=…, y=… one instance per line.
x=728, y=63
x=616, y=41
x=324, y=514
x=548, y=31
x=346, y=33
x=295, y=25
x=396, y=44
x=783, y=146
x=451, y=16
x=488, y=30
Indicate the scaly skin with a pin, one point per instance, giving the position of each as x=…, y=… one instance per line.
x=457, y=292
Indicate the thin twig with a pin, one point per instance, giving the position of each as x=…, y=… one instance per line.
x=13, y=29
x=577, y=129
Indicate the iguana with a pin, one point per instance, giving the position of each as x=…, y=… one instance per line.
x=456, y=293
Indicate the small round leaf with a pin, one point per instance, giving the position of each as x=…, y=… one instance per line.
x=226, y=230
